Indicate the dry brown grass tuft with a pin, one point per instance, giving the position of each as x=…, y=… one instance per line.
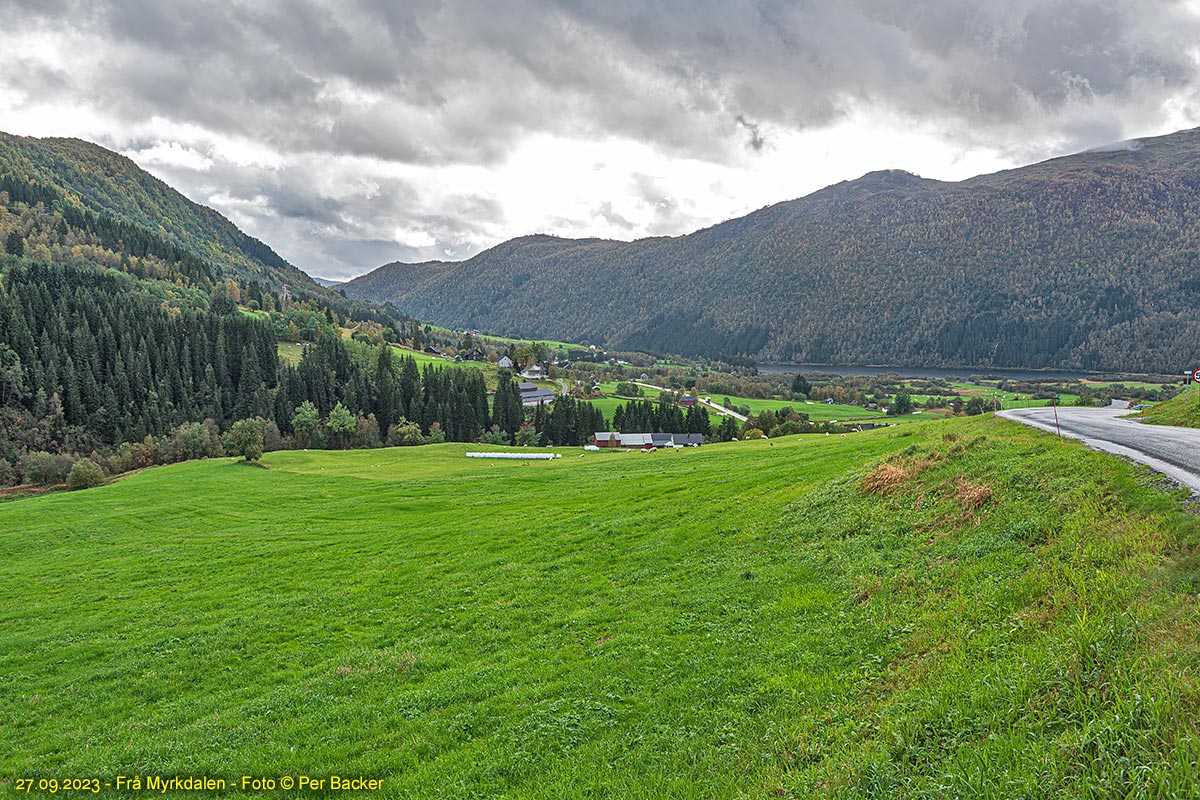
x=919, y=465
x=885, y=479
x=971, y=496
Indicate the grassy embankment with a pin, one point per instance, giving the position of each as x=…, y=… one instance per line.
x=967, y=608
x=1179, y=410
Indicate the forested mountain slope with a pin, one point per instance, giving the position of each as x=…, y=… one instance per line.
x=384, y=282
x=88, y=177
x=1087, y=261
x=136, y=326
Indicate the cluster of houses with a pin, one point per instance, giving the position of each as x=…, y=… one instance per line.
x=533, y=372
x=647, y=441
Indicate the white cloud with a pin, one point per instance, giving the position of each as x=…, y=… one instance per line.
x=413, y=238
x=171, y=154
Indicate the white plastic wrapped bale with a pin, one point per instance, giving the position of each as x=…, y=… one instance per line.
x=517, y=456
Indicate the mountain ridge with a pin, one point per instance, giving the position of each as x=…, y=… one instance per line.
x=1083, y=261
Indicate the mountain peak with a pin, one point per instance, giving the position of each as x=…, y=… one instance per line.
x=892, y=176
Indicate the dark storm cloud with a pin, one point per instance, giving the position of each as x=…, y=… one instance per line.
x=461, y=81
x=464, y=82
x=756, y=142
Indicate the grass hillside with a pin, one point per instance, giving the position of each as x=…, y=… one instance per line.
x=966, y=609
x=1178, y=410
x=1082, y=262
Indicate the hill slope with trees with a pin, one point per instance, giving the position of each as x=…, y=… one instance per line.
x=85, y=177
x=1083, y=262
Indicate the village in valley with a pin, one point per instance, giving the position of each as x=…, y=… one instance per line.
x=730, y=400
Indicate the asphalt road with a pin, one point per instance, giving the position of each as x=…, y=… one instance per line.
x=702, y=401
x=1172, y=451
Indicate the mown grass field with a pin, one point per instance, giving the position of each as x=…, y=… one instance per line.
x=992, y=613
x=1130, y=384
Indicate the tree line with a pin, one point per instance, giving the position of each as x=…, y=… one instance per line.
x=95, y=364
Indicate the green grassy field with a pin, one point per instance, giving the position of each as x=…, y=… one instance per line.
x=647, y=393
x=1009, y=399
x=607, y=405
x=1132, y=384
x=512, y=340
x=291, y=352
x=992, y=612
x=816, y=410
x=422, y=358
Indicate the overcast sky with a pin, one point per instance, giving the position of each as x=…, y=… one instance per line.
x=351, y=133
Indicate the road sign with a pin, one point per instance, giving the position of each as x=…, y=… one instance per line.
x=1196, y=375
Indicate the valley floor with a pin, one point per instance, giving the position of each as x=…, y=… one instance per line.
x=959, y=609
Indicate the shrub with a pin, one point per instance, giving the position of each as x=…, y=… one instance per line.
x=901, y=405
x=436, y=434
x=404, y=434
x=528, y=436
x=752, y=433
x=272, y=438
x=47, y=469
x=193, y=440
x=367, y=431
x=787, y=429
x=495, y=436
x=85, y=474
x=8, y=475
x=245, y=439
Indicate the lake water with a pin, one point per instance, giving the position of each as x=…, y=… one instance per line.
x=929, y=372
